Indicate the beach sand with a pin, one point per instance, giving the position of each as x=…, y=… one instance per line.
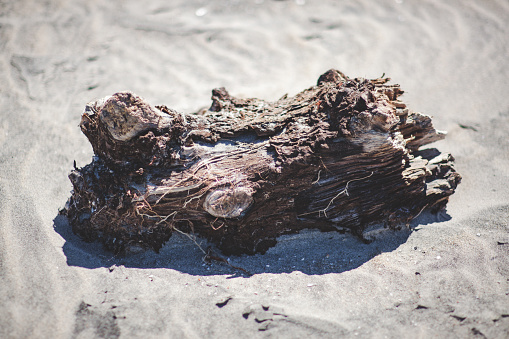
x=446, y=277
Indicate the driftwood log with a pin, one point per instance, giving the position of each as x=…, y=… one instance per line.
x=344, y=155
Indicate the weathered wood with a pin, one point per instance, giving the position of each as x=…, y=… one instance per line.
x=340, y=156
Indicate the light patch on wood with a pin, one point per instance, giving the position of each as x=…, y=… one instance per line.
x=229, y=202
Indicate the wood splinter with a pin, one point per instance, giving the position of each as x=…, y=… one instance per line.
x=344, y=155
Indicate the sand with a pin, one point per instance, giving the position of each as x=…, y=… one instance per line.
x=446, y=277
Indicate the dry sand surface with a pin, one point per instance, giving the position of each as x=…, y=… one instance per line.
x=447, y=277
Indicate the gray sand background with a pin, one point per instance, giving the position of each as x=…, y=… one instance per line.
x=447, y=277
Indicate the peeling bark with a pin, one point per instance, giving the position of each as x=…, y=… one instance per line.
x=343, y=155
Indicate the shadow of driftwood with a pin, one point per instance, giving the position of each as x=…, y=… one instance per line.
x=311, y=252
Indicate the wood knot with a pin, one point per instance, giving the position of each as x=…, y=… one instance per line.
x=126, y=115
x=228, y=202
